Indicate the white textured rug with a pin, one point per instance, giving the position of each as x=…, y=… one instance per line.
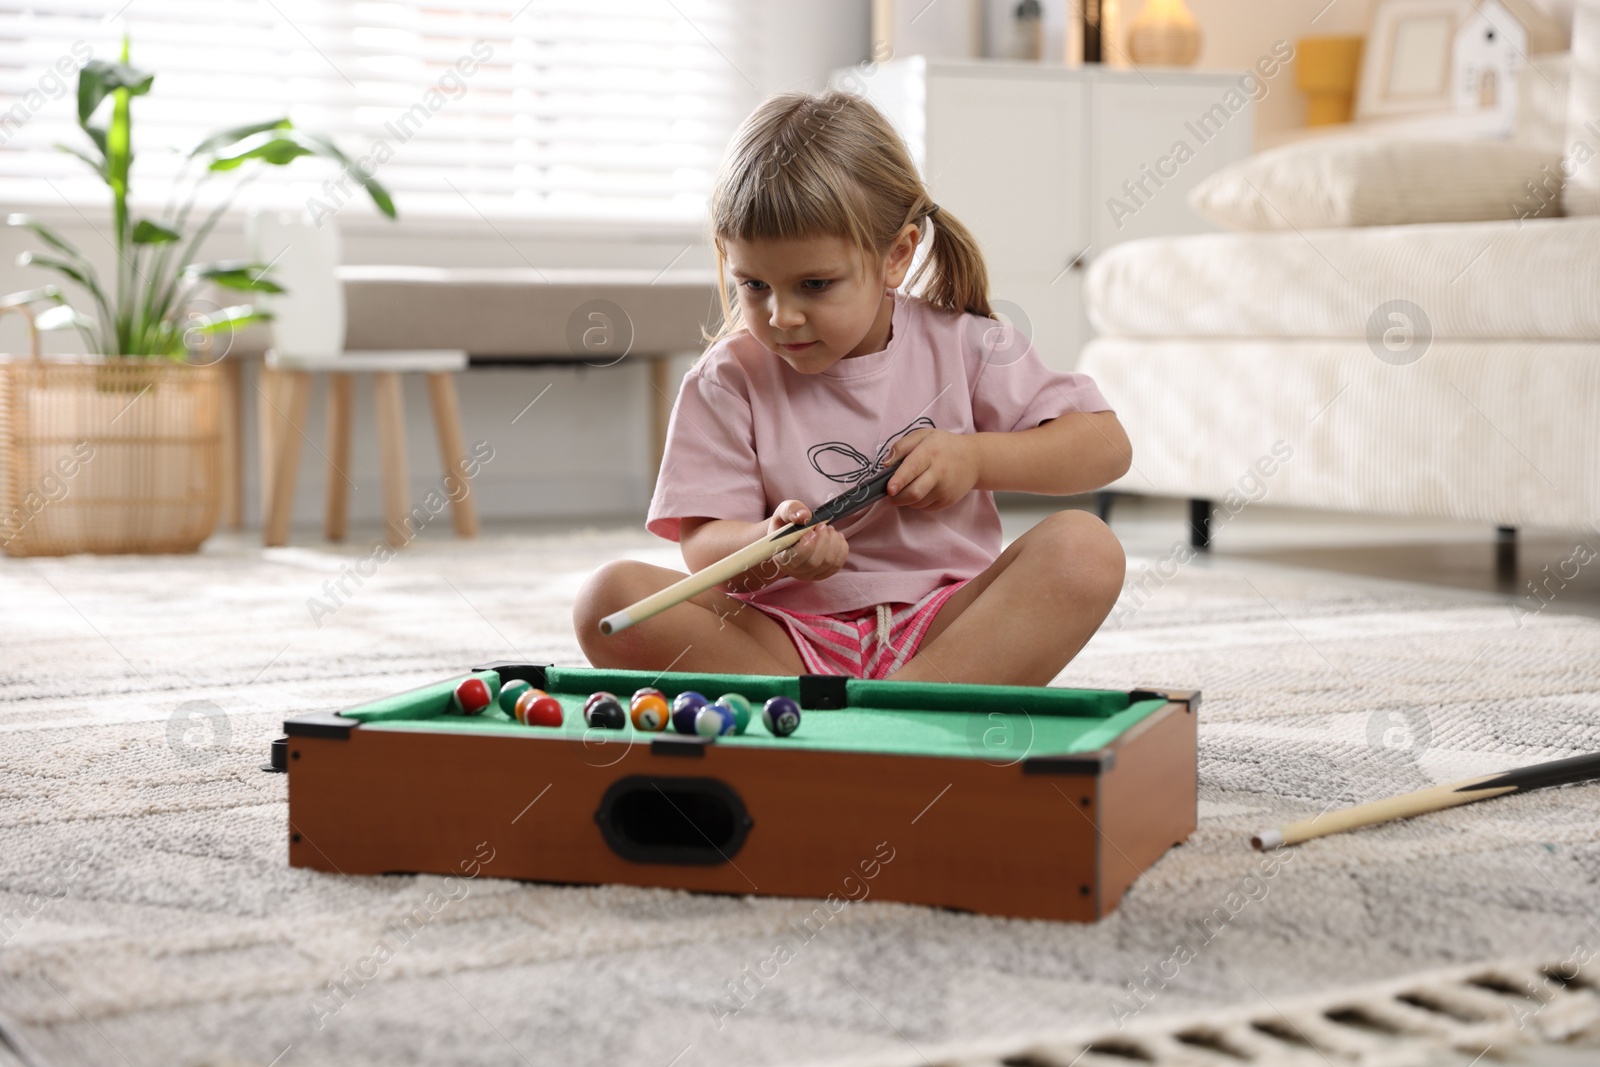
x=148, y=915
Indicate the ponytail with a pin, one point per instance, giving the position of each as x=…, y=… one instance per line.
x=958, y=280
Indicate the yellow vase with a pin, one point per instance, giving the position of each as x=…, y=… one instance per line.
x=1164, y=35
x=1326, y=70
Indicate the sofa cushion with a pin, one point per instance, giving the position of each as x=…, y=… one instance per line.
x=1359, y=180
x=1474, y=281
x=1500, y=432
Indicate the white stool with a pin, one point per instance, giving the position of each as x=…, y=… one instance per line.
x=308, y=333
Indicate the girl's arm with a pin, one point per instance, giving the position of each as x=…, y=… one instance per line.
x=1078, y=452
x=817, y=555
x=1074, y=453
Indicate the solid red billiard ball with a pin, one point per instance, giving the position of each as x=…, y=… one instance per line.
x=538, y=708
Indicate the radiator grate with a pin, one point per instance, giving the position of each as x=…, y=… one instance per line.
x=1519, y=1012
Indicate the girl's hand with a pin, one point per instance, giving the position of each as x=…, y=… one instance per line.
x=820, y=552
x=939, y=469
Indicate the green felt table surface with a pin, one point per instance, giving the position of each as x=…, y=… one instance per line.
x=994, y=723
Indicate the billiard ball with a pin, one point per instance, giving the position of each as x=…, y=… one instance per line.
x=740, y=708
x=595, y=698
x=535, y=707
x=649, y=712
x=651, y=691
x=683, y=711
x=471, y=696
x=713, y=720
x=781, y=716
x=509, y=694
x=544, y=710
x=605, y=714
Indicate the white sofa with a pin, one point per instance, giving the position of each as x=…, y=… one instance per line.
x=1274, y=365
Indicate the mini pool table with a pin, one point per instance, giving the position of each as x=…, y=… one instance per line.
x=1016, y=801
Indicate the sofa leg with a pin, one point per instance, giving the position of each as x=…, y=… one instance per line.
x=1200, y=525
x=1102, y=504
x=1505, y=553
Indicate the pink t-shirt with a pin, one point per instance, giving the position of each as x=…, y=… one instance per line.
x=749, y=432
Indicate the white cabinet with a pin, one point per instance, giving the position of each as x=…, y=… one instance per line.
x=1050, y=166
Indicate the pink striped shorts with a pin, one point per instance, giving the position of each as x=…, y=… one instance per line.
x=868, y=643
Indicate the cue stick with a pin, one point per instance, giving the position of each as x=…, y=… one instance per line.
x=757, y=552
x=1434, y=798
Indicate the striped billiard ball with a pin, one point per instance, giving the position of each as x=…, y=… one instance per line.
x=714, y=720
x=471, y=696
x=781, y=716
x=509, y=694
x=742, y=712
x=650, y=712
x=684, y=709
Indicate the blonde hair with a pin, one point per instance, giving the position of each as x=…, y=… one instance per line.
x=830, y=164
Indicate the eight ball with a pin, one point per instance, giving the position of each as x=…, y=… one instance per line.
x=605, y=714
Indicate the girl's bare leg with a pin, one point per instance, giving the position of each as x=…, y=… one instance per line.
x=1029, y=612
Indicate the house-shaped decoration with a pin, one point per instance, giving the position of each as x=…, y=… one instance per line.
x=1490, y=47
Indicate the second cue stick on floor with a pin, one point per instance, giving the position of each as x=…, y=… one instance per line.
x=1435, y=798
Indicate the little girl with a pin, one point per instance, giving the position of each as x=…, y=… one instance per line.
x=823, y=373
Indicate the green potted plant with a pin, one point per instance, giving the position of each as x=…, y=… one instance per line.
x=138, y=423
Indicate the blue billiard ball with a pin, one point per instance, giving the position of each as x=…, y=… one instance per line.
x=781, y=716
x=684, y=709
x=714, y=720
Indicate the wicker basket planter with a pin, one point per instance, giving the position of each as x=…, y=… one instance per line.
x=120, y=454
x=108, y=455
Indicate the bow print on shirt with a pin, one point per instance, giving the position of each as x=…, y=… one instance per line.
x=840, y=461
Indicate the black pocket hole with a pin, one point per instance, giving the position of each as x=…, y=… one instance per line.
x=649, y=819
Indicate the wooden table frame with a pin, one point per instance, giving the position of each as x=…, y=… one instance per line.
x=1044, y=837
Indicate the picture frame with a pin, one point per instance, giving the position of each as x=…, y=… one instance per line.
x=1407, y=65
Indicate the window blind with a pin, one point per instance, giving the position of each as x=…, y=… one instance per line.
x=615, y=110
